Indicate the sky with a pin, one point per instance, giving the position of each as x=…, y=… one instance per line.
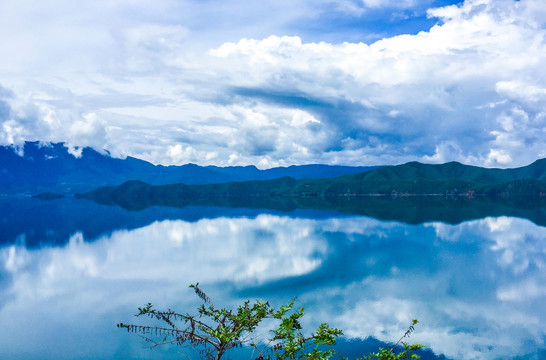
x=278, y=83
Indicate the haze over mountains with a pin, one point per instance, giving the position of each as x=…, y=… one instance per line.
x=52, y=168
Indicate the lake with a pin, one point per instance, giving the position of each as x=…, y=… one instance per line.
x=72, y=269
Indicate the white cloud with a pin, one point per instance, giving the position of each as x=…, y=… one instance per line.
x=519, y=91
x=498, y=157
x=183, y=155
x=32, y=118
x=424, y=97
x=440, y=81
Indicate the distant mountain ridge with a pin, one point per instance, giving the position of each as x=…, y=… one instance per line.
x=51, y=168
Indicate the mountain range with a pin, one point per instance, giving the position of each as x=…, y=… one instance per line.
x=38, y=167
x=135, y=183
x=408, y=180
x=450, y=192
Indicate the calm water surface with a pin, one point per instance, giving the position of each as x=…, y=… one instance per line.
x=71, y=270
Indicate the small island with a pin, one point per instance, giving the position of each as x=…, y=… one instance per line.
x=48, y=196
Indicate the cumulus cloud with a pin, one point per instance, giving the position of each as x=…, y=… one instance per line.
x=471, y=88
x=437, y=84
x=34, y=118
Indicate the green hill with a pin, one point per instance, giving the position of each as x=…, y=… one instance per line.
x=419, y=179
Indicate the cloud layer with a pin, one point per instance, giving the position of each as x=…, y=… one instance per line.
x=157, y=85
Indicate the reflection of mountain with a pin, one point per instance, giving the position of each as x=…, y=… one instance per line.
x=411, y=210
x=53, y=168
x=39, y=222
x=36, y=223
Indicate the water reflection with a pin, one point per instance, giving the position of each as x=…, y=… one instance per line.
x=478, y=288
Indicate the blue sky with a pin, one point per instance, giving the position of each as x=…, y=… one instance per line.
x=276, y=83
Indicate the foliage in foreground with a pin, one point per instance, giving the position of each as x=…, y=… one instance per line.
x=215, y=331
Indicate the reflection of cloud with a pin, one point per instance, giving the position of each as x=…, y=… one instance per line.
x=514, y=242
x=83, y=288
x=513, y=259
x=367, y=277
x=491, y=329
x=209, y=250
